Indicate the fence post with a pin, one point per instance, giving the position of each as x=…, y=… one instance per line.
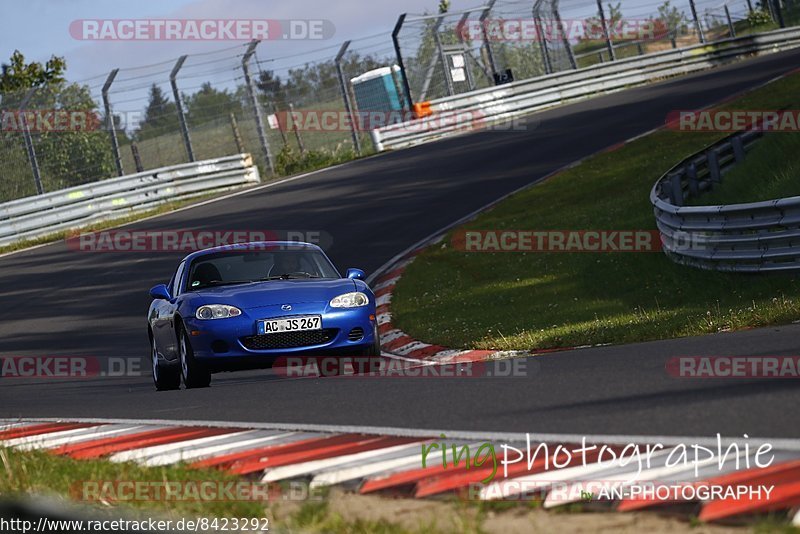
x=697, y=25
x=251, y=91
x=296, y=130
x=346, y=96
x=730, y=22
x=779, y=13
x=187, y=141
x=564, y=37
x=606, y=34
x=426, y=83
x=112, y=128
x=403, y=76
x=137, y=159
x=540, y=33
x=26, y=134
x=485, y=33
x=749, y=6
x=237, y=136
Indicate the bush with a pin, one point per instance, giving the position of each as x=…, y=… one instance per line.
x=758, y=17
x=290, y=161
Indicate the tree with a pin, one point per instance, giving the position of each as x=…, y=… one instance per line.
x=65, y=157
x=160, y=116
x=208, y=104
x=20, y=76
x=670, y=18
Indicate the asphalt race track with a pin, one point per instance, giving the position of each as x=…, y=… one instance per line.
x=56, y=301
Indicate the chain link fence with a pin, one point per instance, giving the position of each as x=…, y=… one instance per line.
x=314, y=108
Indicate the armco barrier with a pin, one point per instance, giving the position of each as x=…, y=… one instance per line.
x=32, y=217
x=476, y=109
x=753, y=237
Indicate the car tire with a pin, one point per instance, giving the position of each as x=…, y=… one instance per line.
x=375, y=348
x=193, y=373
x=165, y=377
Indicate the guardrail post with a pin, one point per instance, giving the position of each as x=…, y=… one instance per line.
x=251, y=91
x=676, y=191
x=485, y=33
x=697, y=25
x=731, y=29
x=712, y=156
x=237, y=136
x=137, y=159
x=112, y=128
x=26, y=135
x=738, y=148
x=300, y=143
x=187, y=141
x=564, y=38
x=694, y=184
x=346, y=97
x=403, y=76
x=605, y=32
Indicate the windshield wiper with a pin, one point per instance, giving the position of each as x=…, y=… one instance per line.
x=289, y=276
x=217, y=283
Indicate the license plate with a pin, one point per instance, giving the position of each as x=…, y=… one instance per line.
x=290, y=324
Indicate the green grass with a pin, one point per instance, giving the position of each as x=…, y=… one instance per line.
x=766, y=174
x=542, y=300
x=25, y=473
x=35, y=472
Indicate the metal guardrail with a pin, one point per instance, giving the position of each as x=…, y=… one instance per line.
x=477, y=109
x=752, y=237
x=72, y=208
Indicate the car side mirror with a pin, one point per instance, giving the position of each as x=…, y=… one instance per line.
x=160, y=292
x=356, y=274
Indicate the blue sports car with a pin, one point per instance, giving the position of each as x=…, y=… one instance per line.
x=245, y=305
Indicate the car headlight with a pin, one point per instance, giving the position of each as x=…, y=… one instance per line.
x=217, y=311
x=350, y=300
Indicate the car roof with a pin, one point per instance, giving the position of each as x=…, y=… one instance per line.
x=254, y=245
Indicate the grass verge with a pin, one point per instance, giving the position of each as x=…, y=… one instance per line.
x=544, y=300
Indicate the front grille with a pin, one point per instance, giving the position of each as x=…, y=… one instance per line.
x=289, y=340
x=356, y=334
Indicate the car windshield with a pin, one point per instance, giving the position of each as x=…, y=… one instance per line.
x=247, y=266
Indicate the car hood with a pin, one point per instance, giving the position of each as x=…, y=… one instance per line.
x=274, y=292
